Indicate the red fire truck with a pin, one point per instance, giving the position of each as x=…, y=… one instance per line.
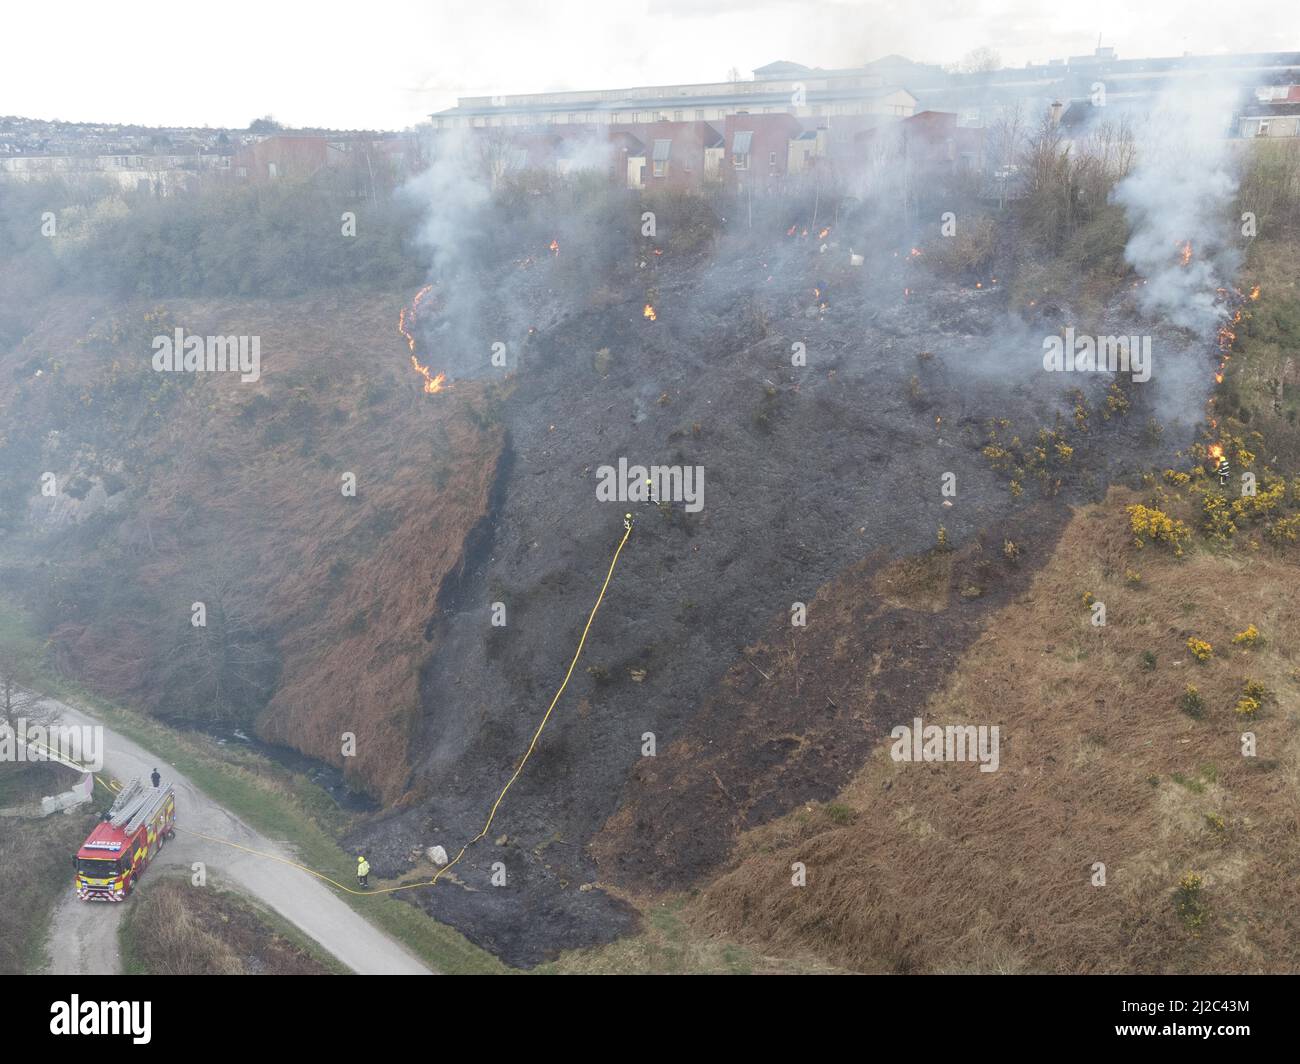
x=122, y=845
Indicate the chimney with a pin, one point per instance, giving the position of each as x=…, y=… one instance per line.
x=1056, y=112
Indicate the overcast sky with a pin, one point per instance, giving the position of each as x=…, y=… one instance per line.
x=388, y=63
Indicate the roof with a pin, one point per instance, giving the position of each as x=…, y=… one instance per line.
x=629, y=141
x=1270, y=110
x=667, y=104
x=781, y=66
x=105, y=841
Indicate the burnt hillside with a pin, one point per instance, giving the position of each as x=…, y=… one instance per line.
x=808, y=471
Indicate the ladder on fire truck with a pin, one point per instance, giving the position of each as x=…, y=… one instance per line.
x=135, y=804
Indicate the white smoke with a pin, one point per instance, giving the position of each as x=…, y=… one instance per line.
x=454, y=194
x=1177, y=196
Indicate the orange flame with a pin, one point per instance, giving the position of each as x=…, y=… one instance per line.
x=649, y=313
x=1187, y=252
x=432, y=383
x=1216, y=452
x=1254, y=293
x=555, y=247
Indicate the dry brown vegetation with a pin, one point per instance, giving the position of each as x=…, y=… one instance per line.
x=35, y=861
x=941, y=868
x=176, y=929
x=327, y=598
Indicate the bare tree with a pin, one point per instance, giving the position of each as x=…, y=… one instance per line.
x=16, y=702
x=980, y=60
x=1051, y=185
x=1007, y=137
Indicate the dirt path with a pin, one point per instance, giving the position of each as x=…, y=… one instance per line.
x=84, y=936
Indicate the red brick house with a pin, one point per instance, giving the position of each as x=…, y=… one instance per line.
x=673, y=154
x=758, y=150
x=299, y=157
x=294, y=158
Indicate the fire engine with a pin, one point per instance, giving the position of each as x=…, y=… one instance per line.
x=125, y=841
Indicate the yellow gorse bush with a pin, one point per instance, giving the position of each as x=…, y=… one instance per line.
x=1157, y=527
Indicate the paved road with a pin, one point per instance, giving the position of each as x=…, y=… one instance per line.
x=84, y=935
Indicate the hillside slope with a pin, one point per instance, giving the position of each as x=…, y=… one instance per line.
x=179, y=489
x=939, y=867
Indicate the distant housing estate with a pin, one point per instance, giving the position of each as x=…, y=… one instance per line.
x=788, y=122
x=161, y=161
x=792, y=120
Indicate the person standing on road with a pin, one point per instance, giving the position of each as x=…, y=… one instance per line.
x=157, y=779
x=363, y=872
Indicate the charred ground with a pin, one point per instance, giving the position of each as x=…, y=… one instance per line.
x=809, y=470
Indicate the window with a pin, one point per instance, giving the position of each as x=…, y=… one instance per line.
x=99, y=868
x=677, y=116
x=740, y=149
x=771, y=158
x=699, y=115
x=573, y=119
x=1262, y=131
x=662, y=149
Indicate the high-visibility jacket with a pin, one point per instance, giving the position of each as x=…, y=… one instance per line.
x=363, y=867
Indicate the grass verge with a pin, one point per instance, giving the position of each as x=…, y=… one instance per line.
x=173, y=928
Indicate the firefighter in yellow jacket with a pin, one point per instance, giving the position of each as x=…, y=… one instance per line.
x=363, y=872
